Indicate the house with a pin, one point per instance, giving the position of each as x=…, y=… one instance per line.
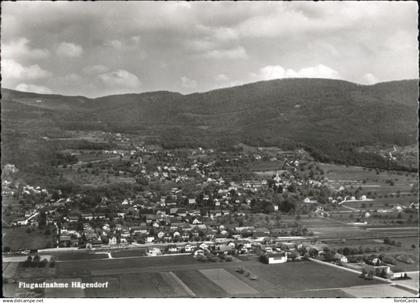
x=150, y=218
x=220, y=238
x=203, y=246
x=154, y=251
x=87, y=216
x=173, y=211
x=150, y=239
x=185, y=236
x=341, y=258
x=181, y=212
x=276, y=258
x=196, y=221
x=188, y=248
x=398, y=274
x=172, y=249
x=138, y=230
x=191, y=201
x=112, y=241
x=309, y=201
x=73, y=218
x=202, y=226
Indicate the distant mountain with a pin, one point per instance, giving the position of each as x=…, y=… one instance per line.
x=319, y=114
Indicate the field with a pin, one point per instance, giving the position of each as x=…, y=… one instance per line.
x=150, y=285
x=183, y=276
x=128, y=253
x=382, y=291
x=123, y=265
x=302, y=276
x=369, y=180
x=200, y=285
x=95, y=179
x=228, y=282
x=64, y=292
x=80, y=256
x=17, y=238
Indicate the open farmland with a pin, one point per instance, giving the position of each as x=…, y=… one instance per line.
x=75, y=256
x=305, y=275
x=18, y=238
x=200, y=285
x=149, y=285
x=371, y=181
x=228, y=282
x=123, y=265
x=128, y=253
x=69, y=292
x=183, y=276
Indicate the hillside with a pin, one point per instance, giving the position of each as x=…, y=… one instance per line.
x=325, y=116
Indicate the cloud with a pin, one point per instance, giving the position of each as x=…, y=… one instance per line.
x=188, y=83
x=221, y=78
x=204, y=39
x=120, y=78
x=232, y=53
x=369, y=79
x=33, y=88
x=67, y=49
x=11, y=69
x=117, y=44
x=19, y=48
x=124, y=44
x=72, y=77
x=278, y=72
x=95, y=69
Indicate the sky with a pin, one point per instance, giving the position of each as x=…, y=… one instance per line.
x=99, y=48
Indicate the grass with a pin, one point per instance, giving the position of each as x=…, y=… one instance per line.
x=113, y=289
x=354, y=175
x=305, y=275
x=200, y=285
x=17, y=238
x=80, y=256
x=324, y=293
x=228, y=282
x=64, y=292
x=121, y=266
x=151, y=285
x=128, y=253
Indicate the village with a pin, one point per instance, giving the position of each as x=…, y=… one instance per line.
x=214, y=205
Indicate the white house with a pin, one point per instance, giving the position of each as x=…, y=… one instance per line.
x=277, y=258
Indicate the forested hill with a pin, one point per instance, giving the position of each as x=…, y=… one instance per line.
x=325, y=116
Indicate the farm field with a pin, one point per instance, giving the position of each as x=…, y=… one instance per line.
x=71, y=256
x=64, y=292
x=183, y=276
x=383, y=291
x=369, y=179
x=228, y=282
x=128, y=253
x=319, y=293
x=17, y=238
x=307, y=275
x=89, y=178
x=121, y=266
x=148, y=285
x=113, y=289
x=200, y=285
x=9, y=269
x=383, y=203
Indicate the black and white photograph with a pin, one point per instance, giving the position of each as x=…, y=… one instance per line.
x=209, y=149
